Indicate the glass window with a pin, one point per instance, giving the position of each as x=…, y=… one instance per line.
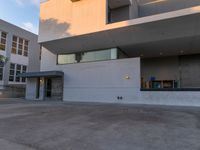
x=3, y=36
x=24, y=68
x=20, y=46
x=88, y=56
x=66, y=59
x=19, y=49
x=99, y=55
x=14, y=39
x=20, y=41
x=14, y=45
x=12, y=72
x=1, y=71
x=18, y=71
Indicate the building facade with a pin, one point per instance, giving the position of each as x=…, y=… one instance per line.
x=119, y=51
x=22, y=52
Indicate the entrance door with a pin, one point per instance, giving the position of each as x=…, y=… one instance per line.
x=38, y=88
x=48, y=90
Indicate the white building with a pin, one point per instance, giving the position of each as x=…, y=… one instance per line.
x=22, y=51
x=119, y=51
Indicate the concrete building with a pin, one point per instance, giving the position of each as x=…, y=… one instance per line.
x=22, y=52
x=119, y=51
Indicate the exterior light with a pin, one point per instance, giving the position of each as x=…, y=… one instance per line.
x=127, y=77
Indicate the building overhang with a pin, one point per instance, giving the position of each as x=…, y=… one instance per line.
x=41, y=74
x=143, y=33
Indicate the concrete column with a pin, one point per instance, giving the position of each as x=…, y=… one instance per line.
x=134, y=12
x=42, y=88
x=8, y=55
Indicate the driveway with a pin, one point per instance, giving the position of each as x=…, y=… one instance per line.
x=64, y=126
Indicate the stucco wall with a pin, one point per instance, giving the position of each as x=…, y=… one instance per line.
x=65, y=18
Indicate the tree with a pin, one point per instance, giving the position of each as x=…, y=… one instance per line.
x=3, y=60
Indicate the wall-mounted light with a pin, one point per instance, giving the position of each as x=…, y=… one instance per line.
x=127, y=77
x=41, y=81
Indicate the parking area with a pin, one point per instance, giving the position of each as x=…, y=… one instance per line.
x=82, y=126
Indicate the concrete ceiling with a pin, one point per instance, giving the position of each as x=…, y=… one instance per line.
x=180, y=35
x=118, y=3
x=170, y=47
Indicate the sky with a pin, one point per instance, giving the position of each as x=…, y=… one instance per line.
x=22, y=13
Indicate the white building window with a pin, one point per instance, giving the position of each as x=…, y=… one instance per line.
x=1, y=71
x=24, y=69
x=3, y=36
x=20, y=46
x=16, y=69
x=12, y=72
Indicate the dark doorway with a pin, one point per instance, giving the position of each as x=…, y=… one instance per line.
x=48, y=88
x=38, y=89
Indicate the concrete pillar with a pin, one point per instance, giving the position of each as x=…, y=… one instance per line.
x=8, y=55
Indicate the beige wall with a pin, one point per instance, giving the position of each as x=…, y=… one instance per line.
x=64, y=18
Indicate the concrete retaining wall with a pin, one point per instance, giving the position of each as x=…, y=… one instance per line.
x=12, y=92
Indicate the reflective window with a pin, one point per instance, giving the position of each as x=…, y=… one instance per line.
x=99, y=55
x=66, y=59
x=88, y=56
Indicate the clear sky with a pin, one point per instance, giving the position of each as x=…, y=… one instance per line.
x=23, y=13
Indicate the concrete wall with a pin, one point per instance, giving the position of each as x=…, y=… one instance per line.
x=151, y=7
x=134, y=10
x=57, y=88
x=104, y=81
x=13, y=91
x=97, y=81
x=31, y=88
